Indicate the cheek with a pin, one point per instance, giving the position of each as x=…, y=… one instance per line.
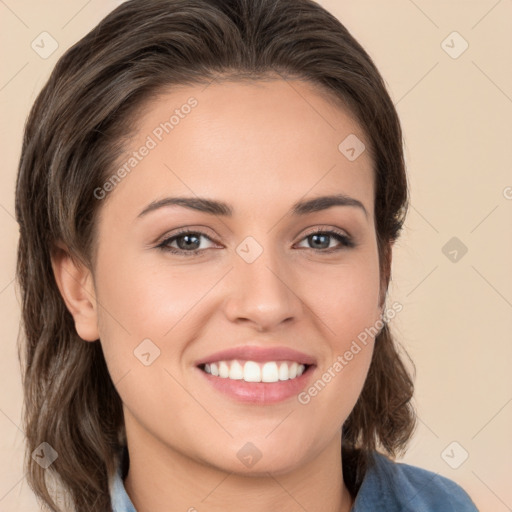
x=149, y=300
x=345, y=303
x=344, y=296
x=157, y=302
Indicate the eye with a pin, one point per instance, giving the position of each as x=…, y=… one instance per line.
x=321, y=241
x=187, y=242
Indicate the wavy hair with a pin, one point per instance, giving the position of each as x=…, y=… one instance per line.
x=74, y=134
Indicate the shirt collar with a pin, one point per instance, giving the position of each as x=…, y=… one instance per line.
x=121, y=502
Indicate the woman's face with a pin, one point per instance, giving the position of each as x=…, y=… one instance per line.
x=260, y=278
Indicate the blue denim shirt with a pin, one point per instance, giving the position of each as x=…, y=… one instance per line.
x=387, y=487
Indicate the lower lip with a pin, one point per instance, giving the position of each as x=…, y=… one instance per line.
x=260, y=392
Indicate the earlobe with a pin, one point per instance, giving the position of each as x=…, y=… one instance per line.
x=76, y=287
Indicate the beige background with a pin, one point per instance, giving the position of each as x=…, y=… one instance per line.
x=457, y=316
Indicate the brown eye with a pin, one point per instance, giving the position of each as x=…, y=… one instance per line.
x=187, y=243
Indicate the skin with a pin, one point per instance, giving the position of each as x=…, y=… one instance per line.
x=259, y=146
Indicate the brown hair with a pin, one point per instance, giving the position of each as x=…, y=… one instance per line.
x=73, y=136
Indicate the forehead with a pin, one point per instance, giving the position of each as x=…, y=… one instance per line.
x=243, y=142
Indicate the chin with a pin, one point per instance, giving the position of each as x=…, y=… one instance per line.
x=251, y=460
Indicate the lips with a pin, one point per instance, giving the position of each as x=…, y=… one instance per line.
x=258, y=354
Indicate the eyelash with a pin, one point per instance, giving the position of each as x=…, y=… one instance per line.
x=346, y=242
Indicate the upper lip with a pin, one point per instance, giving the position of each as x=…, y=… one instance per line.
x=258, y=353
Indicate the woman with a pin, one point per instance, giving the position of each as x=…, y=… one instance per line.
x=208, y=196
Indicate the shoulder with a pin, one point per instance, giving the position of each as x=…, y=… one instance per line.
x=390, y=486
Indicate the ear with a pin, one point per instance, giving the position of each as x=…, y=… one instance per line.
x=76, y=286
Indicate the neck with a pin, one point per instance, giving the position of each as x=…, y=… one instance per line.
x=161, y=479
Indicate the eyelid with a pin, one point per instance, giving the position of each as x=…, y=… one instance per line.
x=198, y=229
x=323, y=228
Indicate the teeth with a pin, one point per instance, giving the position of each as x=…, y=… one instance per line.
x=236, y=371
x=223, y=370
x=270, y=372
x=284, y=372
x=251, y=371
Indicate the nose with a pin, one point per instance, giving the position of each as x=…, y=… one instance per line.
x=263, y=293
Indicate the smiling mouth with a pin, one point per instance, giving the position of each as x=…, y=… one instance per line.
x=252, y=371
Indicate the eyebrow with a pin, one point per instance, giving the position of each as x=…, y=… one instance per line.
x=221, y=208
